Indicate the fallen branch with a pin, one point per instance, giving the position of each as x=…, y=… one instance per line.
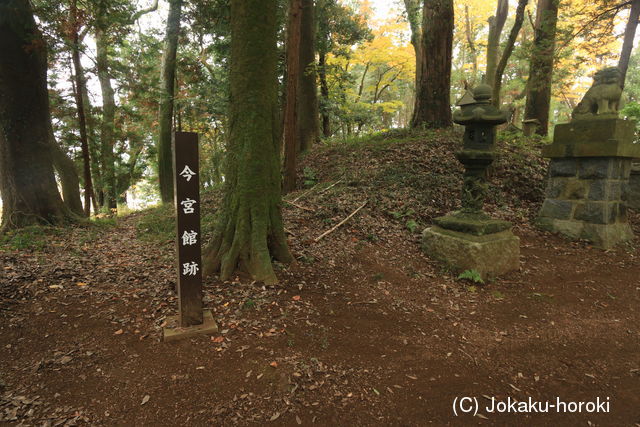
x=305, y=193
x=326, y=233
x=332, y=185
x=298, y=206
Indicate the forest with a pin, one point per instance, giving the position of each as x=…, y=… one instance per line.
x=400, y=212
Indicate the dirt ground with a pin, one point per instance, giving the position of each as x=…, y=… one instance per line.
x=361, y=331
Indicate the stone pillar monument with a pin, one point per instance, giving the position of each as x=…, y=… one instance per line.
x=469, y=239
x=587, y=190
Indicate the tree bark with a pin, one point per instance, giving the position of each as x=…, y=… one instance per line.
x=508, y=50
x=27, y=182
x=291, y=141
x=68, y=178
x=80, y=87
x=324, y=92
x=541, y=65
x=107, y=127
x=470, y=42
x=433, y=105
x=167, y=78
x=496, y=25
x=251, y=230
x=308, y=126
x=629, y=36
x=413, y=16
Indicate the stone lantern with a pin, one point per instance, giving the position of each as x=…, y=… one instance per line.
x=469, y=239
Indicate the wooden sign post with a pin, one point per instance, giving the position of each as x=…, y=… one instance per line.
x=191, y=318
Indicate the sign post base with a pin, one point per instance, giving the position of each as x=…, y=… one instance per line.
x=173, y=331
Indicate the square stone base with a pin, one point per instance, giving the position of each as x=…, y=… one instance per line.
x=603, y=236
x=175, y=332
x=490, y=255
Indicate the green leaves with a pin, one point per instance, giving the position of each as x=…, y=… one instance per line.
x=472, y=276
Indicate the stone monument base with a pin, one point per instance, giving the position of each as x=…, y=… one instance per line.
x=489, y=254
x=603, y=236
x=634, y=187
x=586, y=199
x=174, y=332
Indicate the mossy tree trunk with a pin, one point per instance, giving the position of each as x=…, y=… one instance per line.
x=433, y=105
x=107, y=127
x=27, y=182
x=496, y=25
x=508, y=50
x=307, y=116
x=291, y=141
x=414, y=11
x=250, y=231
x=165, y=119
x=541, y=65
x=68, y=175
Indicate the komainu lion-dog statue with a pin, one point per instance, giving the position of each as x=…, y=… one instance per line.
x=602, y=100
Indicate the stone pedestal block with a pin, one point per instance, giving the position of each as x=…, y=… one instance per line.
x=490, y=254
x=633, y=193
x=588, y=181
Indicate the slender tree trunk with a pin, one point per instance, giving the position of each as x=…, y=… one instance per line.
x=324, y=92
x=68, y=178
x=80, y=89
x=629, y=36
x=308, y=126
x=413, y=16
x=508, y=50
x=471, y=42
x=27, y=181
x=496, y=25
x=107, y=128
x=291, y=141
x=251, y=230
x=433, y=104
x=541, y=65
x=167, y=78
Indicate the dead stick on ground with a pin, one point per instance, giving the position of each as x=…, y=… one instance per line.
x=332, y=185
x=305, y=193
x=317, y=239
x=298, y=206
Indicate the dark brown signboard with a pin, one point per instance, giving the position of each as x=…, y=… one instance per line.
x=187, y=203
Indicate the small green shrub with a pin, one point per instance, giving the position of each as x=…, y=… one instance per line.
x=471, y=275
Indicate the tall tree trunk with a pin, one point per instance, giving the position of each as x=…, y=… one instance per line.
x=629, y=36
x=80, y=89
x=541, y=65
x=433, y=105
x=251, y=230
x=290, y=113
x=496, y=25
x=167, y=78
x=27, y=181
x=68, y=178
x=107, y=127
x=508, y=50
x=471, y=43
x=308, y=126
x=413, y=16
x=324, y=92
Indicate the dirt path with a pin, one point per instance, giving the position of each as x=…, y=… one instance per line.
x=374, y=333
